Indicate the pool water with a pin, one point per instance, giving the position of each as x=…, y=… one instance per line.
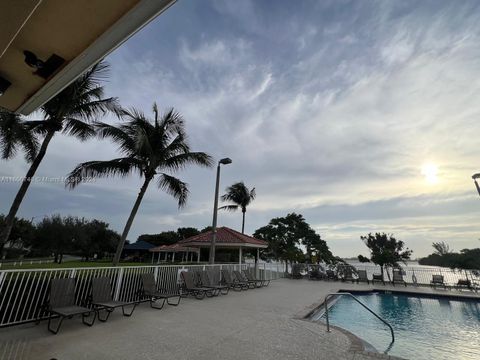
x=425, y=328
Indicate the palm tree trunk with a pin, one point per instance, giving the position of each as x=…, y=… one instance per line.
x=128, y=225
x=243, y=221
x=10, y=219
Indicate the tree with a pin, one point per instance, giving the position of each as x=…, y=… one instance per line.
x=317, y=248
x=71, y=112
x=186, y=232
x=206, y=229
x=21, y=236
x=465, y=259
x=441, y=248
x=385, y=250
x=169, y=237
x=55, y=235
x=241, y=197
x=149, y=147
x=286, y=235
x=363, y=259
x=163, y=238
x=90, y=237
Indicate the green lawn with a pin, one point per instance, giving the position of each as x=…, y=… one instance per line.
x=68, y=264
x=76, y=264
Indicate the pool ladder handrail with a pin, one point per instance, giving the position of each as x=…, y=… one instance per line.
x=365, y=306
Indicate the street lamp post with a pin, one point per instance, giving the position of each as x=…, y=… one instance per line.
x=475, y=177
x=211, y=259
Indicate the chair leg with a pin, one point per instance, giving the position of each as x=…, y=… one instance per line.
x=131, y=312
x=154, y=302
x=55, y=331
x=224, y=291
x=86, y=315
x=108, y=311
x=172, y=303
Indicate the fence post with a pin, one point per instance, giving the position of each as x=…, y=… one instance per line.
x=155, y=274
x=119, y=284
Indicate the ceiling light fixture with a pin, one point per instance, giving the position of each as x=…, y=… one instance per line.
x=4, y=85
x=46, y=68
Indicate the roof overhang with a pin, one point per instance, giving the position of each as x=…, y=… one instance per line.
x=228, y=245
x=78, y=31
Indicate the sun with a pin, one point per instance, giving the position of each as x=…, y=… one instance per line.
x=430, y=171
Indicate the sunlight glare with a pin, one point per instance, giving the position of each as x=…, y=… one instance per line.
x=430, y=171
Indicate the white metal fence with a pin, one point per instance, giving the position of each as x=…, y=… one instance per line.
x=421, y=275
x=24, y=292
x=9, y=263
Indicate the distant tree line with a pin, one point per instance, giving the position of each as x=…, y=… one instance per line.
x=172, y=236
x=59, y=235
x=443, y=256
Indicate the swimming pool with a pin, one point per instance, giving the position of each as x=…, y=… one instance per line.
x=425, y=327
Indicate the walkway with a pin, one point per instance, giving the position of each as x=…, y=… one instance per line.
x=256, y=324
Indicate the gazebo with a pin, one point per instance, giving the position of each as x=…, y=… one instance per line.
x=226, y=239
x=175, y=248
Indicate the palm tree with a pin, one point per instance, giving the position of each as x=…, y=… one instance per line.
x=150, y=148
x=241, y=196
x=71, y=111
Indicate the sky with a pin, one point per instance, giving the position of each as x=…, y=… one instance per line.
x=360, y=115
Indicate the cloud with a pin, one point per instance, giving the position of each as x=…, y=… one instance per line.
x=329, y=109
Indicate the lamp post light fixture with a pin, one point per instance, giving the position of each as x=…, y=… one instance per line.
x=475, y=177
x=211, y=260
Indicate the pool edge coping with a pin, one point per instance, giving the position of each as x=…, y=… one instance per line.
x=357, y=344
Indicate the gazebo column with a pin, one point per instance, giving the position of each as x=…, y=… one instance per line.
x=240, y=255
x=173, y=257
x=198, y=256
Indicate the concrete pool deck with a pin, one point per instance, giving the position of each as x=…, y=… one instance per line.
x=264, y=323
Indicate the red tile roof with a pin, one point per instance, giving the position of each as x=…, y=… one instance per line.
x=173, y=248
x=225, y=235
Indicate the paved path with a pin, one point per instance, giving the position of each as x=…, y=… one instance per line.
x=255, y=324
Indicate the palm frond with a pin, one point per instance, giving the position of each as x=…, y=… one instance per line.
x=79, y=129
x=180, y=161
x=239, y=194
x=92, y=109
x=175, y=187
x=82, y=99
x=117, y=135
x=229, y=207
x=14, y=133
x=100, y=169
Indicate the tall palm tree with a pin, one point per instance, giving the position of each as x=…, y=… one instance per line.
x=71, y=112
x=241, y=196
x=150, y=148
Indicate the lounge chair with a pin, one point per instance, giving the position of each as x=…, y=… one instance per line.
x=191, y=289
x=398, y=278
x=207, y=281
x=252, y=284
x=155, y=294
x=297, y=271
x=378, y=277
x=102, y=299
x=61, y=303
x=316, y=273
x=331, y=275
x=233, y=283
x=362, y=276
x=250, y=277
x=464, y=284
x=348, y=275
x=437, y=280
